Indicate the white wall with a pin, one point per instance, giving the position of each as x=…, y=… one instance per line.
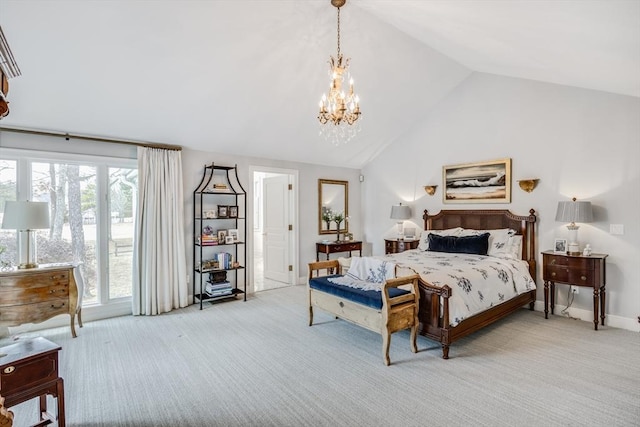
x=193, y=163
x=579, y=143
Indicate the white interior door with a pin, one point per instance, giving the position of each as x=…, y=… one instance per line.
x=275, y=209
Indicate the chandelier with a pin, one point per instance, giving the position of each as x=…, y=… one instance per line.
x=339, y=111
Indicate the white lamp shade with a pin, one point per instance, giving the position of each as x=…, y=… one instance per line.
x=26, y=215
x=400, y=212
x=574, y=211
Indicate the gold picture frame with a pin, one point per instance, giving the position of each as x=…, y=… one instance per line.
x=482, y=182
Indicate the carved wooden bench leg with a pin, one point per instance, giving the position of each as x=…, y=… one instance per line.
x=412, y=338
x=386, y=342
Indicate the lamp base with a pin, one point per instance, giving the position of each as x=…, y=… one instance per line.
x=27, y=265
x=573, y=249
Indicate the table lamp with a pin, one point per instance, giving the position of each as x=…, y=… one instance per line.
x=400, y=213
x=26, y=218
x=572, y=212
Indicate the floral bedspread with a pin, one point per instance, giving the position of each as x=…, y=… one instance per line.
x=478, y=282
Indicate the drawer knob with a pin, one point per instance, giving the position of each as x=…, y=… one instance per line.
x=553, y=261
x=60, y=306
x=9, y=369
x=583, y=277
x=553, y=274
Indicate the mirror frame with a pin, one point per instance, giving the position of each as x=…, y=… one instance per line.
x=345, y=223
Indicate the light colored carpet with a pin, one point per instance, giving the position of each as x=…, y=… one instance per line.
x=257, y=363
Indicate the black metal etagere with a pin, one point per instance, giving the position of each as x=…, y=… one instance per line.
x=212, y=198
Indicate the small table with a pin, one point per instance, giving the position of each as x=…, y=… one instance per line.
x=394, y=246
x=578, y=270
x=338, y=246
x=29, y=369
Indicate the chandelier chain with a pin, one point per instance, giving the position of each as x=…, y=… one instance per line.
x=338, y=32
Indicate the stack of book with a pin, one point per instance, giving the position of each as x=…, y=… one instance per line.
x=208, y=239
x=225, y=260
x=219, y=289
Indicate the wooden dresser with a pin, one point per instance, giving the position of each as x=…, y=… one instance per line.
x=37, y=294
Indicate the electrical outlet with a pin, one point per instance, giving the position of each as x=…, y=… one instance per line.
x=575, y=289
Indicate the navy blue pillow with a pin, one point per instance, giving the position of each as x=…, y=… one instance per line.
x=478, y=245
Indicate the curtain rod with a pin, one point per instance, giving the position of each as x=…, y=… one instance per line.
x=69, y=136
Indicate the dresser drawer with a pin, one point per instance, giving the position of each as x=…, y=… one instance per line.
x=55, y=277
x=35, y=293
x=348, y=247
x=34, y=312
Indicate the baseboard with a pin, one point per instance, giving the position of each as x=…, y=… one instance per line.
x=630, y=324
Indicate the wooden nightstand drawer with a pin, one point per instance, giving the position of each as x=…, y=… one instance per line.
x=555, y=273
x=571, y=262
x=581, y=277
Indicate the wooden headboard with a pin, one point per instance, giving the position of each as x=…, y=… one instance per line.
x=490, y=219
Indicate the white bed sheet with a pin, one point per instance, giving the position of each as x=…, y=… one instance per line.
x=478, y=282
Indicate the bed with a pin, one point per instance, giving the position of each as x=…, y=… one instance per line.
x=434, y=314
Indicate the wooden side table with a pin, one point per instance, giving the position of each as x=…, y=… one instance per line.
x=29, y=369
x=335, y=247
x=578, y=270
x=394, y=246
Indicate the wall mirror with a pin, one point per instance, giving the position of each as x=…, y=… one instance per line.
x=333, y=199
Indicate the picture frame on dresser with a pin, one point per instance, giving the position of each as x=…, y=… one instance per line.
x=560, y=246
x=480, y=182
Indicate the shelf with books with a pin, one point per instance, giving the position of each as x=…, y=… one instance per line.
x=219, y=228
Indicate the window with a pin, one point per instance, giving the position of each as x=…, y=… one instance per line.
x=92, y=208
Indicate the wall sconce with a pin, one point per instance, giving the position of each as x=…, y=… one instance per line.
x=528, y=184
x=430, y=189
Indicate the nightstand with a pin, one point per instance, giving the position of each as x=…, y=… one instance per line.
x=578, y=270
x=394, y=246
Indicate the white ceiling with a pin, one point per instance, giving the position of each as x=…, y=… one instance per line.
x=244, y=77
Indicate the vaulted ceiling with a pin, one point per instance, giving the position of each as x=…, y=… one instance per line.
x=244, y=77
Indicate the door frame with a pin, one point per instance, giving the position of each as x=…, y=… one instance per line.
x=294, y=236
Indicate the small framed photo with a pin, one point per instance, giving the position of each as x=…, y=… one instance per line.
x=229, y=240
x=235, y=236
x=233, y=212
x=560, y=246
x=223, y=211
x=222, y=236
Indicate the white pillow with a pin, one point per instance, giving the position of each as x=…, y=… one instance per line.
x=498, y=240
x=423, y=245
x=514, y=247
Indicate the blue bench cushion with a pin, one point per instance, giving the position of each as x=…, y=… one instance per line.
x=371, y=299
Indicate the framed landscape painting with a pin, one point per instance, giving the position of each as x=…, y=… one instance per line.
x=485, y=182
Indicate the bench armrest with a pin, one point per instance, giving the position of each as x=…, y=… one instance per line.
x=414, y=296
x=323, y=268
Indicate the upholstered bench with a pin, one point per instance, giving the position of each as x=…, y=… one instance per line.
x=390, y=310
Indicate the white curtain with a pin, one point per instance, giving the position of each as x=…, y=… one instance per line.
x=159, y=270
